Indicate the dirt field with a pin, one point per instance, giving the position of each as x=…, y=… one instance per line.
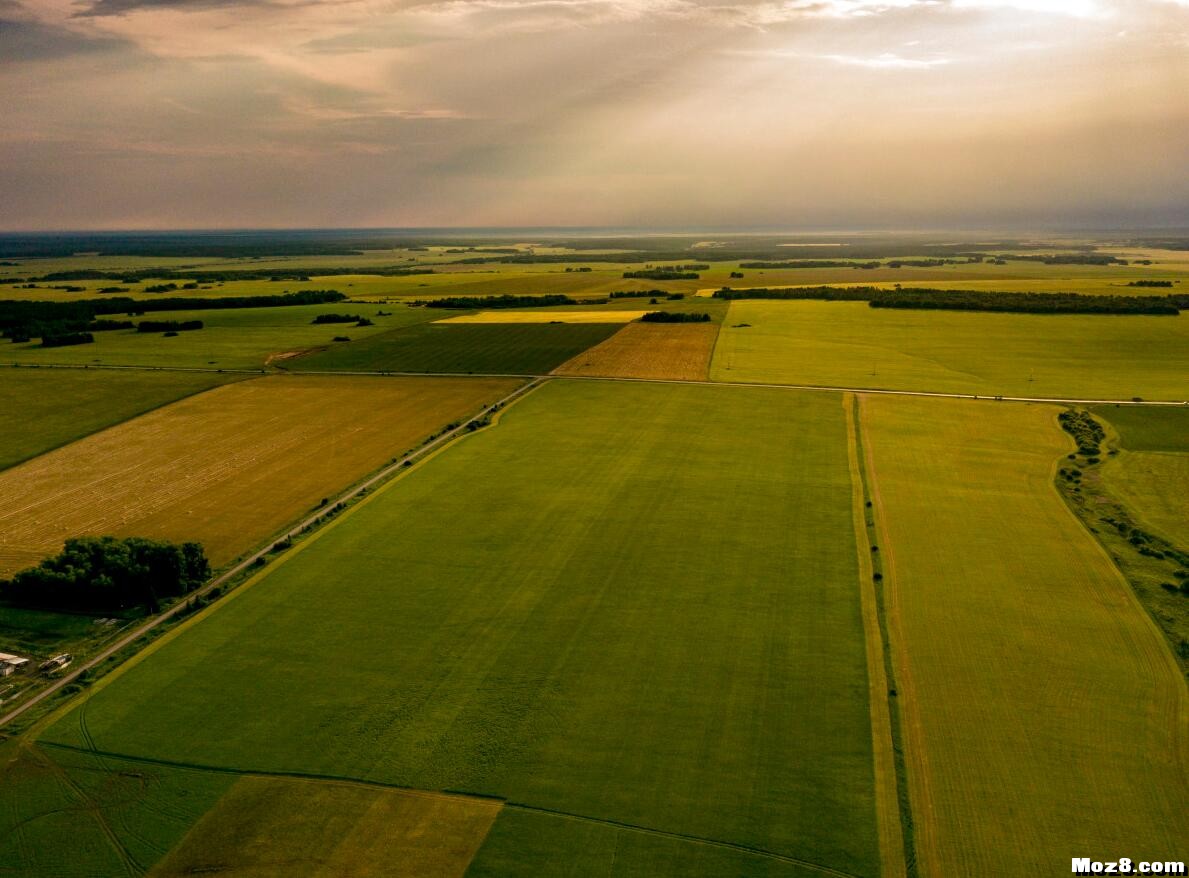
x=678, y=351
x=227, y=468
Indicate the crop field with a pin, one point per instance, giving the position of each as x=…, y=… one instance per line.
x=679, y=351
x=1155, y=486
x=45, y=408
x=227, y=468
x=852, y=345
x=235, y=338
x=1143, y=428
x=509, y=316
x=1043, y=712
x=525, y=621
x=505, y=348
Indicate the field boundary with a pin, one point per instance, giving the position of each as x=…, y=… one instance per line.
x=894, y=828
x=414, y=459
x=926, y=858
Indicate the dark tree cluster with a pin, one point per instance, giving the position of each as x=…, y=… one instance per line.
x=489, y=302
x=106, y=574
x=341, y=318
x=1150, y=283
x=675, y=317
x=637, y=294
x=65, y=339
x=168, y=325
x=973, y=300
x=662, y=274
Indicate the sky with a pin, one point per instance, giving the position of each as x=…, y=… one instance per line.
x=797, y=114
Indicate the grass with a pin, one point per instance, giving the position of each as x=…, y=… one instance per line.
x=1154, y=485
x=1043, y=712
x=512, y=348
x=1145, y=428
x=226, y=468
x=47, y=408
x=678, y=351
x=524, y=617
x=849, y=344
x=234, y=338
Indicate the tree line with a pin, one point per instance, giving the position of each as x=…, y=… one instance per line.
x=505, y=301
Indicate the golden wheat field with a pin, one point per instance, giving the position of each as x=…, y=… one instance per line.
x=678, y=351
x=227, y=468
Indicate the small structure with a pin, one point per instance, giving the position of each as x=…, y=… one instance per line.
x=56, y=663
x=10, y=664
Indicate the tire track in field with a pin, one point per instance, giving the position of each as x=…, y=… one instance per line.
x=925, y=844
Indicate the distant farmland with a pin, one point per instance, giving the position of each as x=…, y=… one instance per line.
x=526, y=621
x=849, y=344
x=499, y=348
x=1043, y=711
x=647, y=350
x=226, y=468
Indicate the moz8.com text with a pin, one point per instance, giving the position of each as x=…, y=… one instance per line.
x=1127, y=866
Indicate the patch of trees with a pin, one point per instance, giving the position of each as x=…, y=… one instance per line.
x=65, y=339
x=1150, y=283
x=112, y=290
x=23, y=318
x=339, y=318
x=108, y=325
x=579, y=269
x=973, y=300
x=637, y=294
x=1085, y=430
x=662, y=274
x=206, y=276
x=506, y=301
x=107, y=573
x=168, y=325
x=161, y=288
x=1065, y=258
x=675, y=317
x=809, y=263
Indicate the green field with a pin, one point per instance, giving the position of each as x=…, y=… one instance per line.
x=848, y=344
x=234, y=338
x=520, y=349
x=1043, y=712
x=524, y=617
x=46, y=408
x=1145, y=428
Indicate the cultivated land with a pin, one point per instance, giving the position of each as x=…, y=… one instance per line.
x=233, y=338
x=509, y=348
x=1148, y=429
x=1043, y=713
x=45, y=408
x=227, y=468
x=678, y=351
x=1155, y=486
x=849, y=344
x=518, y=618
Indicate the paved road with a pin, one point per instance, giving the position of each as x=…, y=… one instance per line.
x=152, y=623
x=826, y=388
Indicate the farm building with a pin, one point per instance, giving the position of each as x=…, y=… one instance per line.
x=10, y=664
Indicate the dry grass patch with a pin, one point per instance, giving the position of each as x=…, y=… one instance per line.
x=546, y=317
x=227, y=468
x=679, y=351
x=270, y=826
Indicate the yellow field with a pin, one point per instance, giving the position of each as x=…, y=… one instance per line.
x=677, y=351
x=546, y=317
x=1043, y=714
x=1154, y=485
x=229, y=467
x=268, y=826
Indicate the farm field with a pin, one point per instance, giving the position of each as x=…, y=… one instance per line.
x=678, y=351
x=45, y=408
x=227, y=468
x=235, y=338
x=1149, y=429
x=850, y=344
x=1155, y=486
x=1001, y=656
x=525, y=622
x=506, y=348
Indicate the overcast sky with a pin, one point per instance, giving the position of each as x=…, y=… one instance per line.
x=676, y=113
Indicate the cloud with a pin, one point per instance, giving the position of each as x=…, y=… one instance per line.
x=887, y=61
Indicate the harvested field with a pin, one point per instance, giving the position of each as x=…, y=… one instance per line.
x=509, y=348
x=227, y=468
x=1043, y=712
x=263, y=825
x=676, y=351
x=46, y=408
x=539, y=316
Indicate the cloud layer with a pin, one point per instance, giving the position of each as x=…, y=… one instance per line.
x=801, y=113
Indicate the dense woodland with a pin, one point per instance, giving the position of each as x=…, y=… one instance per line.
x=107, y=574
